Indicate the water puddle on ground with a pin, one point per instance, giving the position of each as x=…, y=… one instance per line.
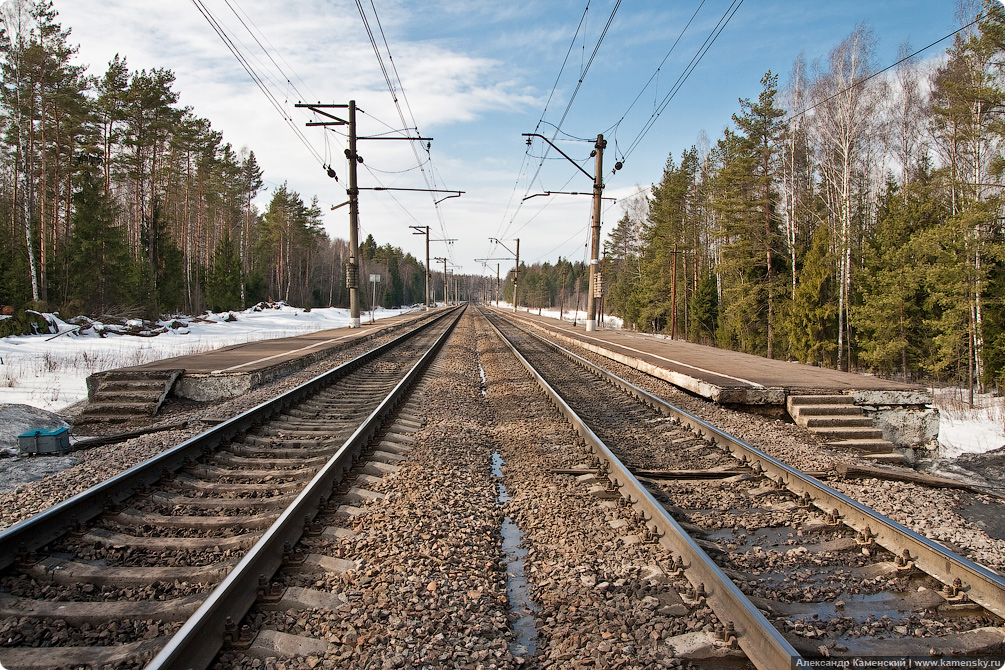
x=518, y=590
x=860, y=607
x=485, y=389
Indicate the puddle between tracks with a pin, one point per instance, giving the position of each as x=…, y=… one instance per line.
x=485, y=392
x=521, y=606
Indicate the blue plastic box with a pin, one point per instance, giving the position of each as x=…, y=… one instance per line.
x=44, y=441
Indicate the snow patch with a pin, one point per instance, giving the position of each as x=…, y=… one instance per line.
x=50, y=371
x=969, y=430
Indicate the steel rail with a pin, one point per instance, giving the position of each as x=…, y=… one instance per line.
x=764, y=646
x=196, y=644
x=40, y=529
x=980, y=584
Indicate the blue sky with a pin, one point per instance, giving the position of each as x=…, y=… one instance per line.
x=475, y=76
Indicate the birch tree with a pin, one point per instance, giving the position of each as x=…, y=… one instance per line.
x=17, y=28
x=844, y=108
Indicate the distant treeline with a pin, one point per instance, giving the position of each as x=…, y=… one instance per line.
x=843, y=221
x=115, y=200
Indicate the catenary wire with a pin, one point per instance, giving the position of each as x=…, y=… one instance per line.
x=557, y=127
x=656, y=73
x=427, y=178
x=887, y=68
x=264, y=50
x=695, y=60
x=219, y=30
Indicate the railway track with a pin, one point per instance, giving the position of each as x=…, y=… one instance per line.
x=469, y=524
x=793, y=569
x=159, y=561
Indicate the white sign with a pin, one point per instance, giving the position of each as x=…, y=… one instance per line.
x=375, y=278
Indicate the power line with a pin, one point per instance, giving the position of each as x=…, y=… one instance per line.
x=562, y=68
x=579, y=84
x=589, y=63
x=255, y=76
x=576, y=234
x=264, y=50
x=887, y=68
x=695, y=60
x=429, y=178
x=660, y=66
x=234, y=7
x=404, y=209
x=582, y=76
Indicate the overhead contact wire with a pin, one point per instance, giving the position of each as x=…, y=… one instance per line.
x=255, y=77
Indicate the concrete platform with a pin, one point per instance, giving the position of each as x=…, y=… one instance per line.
x=231, y=371
x=904, y=412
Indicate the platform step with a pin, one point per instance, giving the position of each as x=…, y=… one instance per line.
x=827, y=410
x=869, y=446
x=128, y=395
x=849, y=433
x=111, y=406
x=830, y=421
x=144, y=395
x=839, y=422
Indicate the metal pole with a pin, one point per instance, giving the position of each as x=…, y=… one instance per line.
x=428, y=271
x=352, y=270
x=497, y=285
x=444, y=281
x=598, y=192
x=516, y=272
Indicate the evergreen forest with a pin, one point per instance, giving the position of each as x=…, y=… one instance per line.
x=851, y=219
x=116, y=201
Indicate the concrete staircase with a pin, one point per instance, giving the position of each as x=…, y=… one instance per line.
x=122, y=396
x=842, y=424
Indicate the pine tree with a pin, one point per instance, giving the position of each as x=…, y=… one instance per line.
x=252, y=184
x=223, y=281
x=705, y=311
x=749, y=225
x=109, y=110
x=149, y=118
x=662, y=292
x=102, y=277
x=967, y=104
x=623, y=270
x=894, y=284
x=811, y=325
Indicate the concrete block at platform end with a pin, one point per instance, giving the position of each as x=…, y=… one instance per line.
x=746, y=396
x=908, y=417
x=893, y=398
x=916, y=427
x=205, y=388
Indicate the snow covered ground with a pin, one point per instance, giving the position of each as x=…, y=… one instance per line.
x=965, y=430
x=50, y=372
